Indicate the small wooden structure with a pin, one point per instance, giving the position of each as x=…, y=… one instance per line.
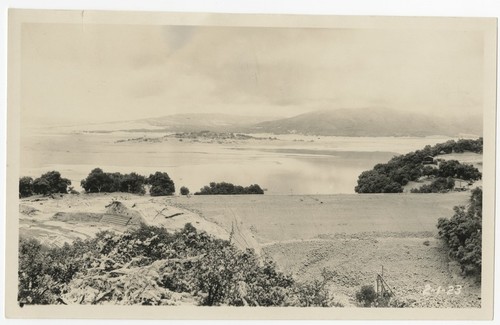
x=428, y=160
x=383, y=289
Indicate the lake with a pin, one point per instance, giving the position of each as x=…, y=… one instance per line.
x=291, y=164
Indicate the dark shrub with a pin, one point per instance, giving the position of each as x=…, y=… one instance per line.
x=50, y=183
x=463, y=233
x=25, y=186
x=439, y=185
x=98, y=181
x=366, y=295
x=224, y=188
x=161, y=184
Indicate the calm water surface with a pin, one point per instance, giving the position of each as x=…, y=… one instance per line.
x=293, y=164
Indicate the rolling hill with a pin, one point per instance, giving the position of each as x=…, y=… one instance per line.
x=370, y=122
x=205, y=122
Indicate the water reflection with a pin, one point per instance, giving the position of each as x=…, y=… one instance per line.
x=327, y=166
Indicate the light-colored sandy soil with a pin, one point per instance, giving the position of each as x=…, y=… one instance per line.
x=352, y=236
x=39, y=216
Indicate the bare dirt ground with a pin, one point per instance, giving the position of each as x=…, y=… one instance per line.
x=67, y=217
x=351, y=236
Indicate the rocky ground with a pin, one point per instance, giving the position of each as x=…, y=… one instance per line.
x=411, y=263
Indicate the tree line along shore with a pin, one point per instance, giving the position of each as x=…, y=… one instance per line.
x=98, y=181
x=400, y=170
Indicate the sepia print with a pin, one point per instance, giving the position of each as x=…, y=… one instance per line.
x=264, y=166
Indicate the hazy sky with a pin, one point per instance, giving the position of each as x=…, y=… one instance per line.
x=89, y=73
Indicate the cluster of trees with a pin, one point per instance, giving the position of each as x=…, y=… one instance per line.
x=397, y=172
x=459, y=146
x=463, y=233
x=453, y=168
x=228, y=188
x=438, y=185
x=149, y=266
x=98, y=181
x=49, y=183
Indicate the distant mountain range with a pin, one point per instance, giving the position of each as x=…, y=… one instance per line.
x=369, y=122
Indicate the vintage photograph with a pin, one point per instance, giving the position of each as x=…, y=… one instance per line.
x=251, y=161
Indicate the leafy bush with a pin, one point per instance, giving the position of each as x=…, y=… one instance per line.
x=453, y=168
x=98, y=181
x=439, y=185
x=184, y=190
x=228, y=188
x=49, y=183
x=25, y=187
x=132, y=183
x=314, y=293
x=463, y=234
x=374, y=182
x=366, y=295
x=459, y=146
x=161, y=184
x=149, y=266
x=397, y=172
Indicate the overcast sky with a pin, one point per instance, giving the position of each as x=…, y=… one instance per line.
x=75, y=73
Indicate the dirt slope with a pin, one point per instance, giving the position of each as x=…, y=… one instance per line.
x=352, y=236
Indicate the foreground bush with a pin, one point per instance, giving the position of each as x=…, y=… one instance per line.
x=366, y=295
x=228, y=188
x=463, y=234
x=149, y=266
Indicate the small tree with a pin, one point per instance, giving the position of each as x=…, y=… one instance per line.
x=97, y=181
x=133, y=183
x=41, y=186
x=25, y=186
x=366, y=295
x=184, y=190
x=463, y=234
x=161, y=184
x=50, y=183
x=254, y=189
